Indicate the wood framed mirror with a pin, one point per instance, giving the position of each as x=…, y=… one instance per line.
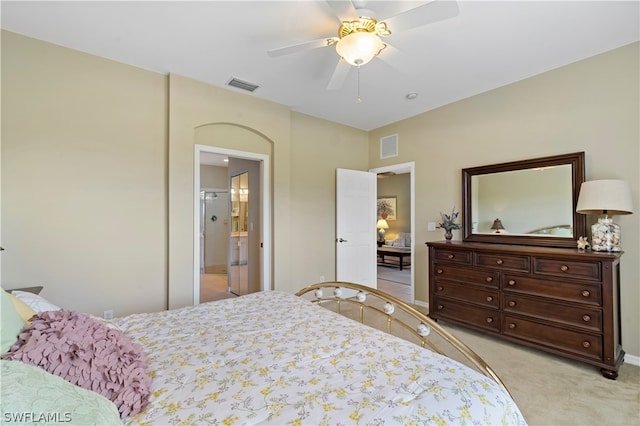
x=528, y=202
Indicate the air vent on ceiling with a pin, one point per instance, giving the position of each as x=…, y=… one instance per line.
x=389, y=146
x=244, y=85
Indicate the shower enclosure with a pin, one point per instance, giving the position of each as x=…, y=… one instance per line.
x=214, y=232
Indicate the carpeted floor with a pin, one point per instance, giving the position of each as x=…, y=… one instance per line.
x=389, y=273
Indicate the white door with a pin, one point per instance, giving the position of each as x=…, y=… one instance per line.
x=356, y=227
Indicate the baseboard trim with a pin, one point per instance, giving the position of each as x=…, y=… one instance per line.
x=628, y=358
x=632, y=359
x=421, y=303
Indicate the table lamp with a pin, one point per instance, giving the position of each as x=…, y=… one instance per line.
x=381, y=225
x=605, y=198
x=497, y=226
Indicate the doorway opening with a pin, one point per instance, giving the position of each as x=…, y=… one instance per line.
x=219, y=255
x=214, y=242
x=395, y=273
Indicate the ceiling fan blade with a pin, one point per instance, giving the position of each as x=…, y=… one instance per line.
x=344, y=9
x=339, y=75
x=437, y=10
x=299, y=47
x=409, y=65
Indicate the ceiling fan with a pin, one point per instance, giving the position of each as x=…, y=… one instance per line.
x=358, y=38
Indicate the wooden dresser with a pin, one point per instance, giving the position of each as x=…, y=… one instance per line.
x=560, y=300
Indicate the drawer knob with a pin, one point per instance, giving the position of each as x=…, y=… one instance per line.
x=499, y=261
x=489, y=320
x=512, y=303
x=450, y=256
x=512, y=282
x=440, y=288
x=489, y=279
x=489, y=299
x=586, y=318
x=586, y=344
x=439, y=271
x=564, y=268
x=586, y=293
x=440, y=306
x=512, y=325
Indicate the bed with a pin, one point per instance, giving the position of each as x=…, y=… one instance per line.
x=277, y=358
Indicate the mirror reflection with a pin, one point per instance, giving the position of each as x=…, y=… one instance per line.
x=524, y=202
x=238, y=278
x=239, y=202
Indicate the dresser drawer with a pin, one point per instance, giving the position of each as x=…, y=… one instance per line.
x=457, y=256
x=582, y=293
x=582, y=344
x=569, y=269
x=510, y=262
x=583, y=317
x=473, y=294
x=474, y=276
x=488, y=319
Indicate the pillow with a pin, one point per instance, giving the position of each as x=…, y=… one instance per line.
x=11, y=323
x=399, y=242
x=30, y=395
x=35, y=301
x=87, y=353
x=21, y=308
x=106, y=322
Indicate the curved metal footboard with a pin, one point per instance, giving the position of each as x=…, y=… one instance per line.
x=359, y=300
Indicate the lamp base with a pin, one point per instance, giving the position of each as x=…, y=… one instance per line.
x=605, y=235
x=381, y=233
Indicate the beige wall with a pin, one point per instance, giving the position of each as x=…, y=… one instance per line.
x=318, y=147
x=97, y=169
x=83, y=178
x=589, y=106
x=213, y=177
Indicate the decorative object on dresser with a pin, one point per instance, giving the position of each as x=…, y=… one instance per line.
x=449, y=223
x=605, y=198
x=583, y=243
x=563, y=301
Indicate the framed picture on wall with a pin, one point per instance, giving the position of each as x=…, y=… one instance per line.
x=387, y=208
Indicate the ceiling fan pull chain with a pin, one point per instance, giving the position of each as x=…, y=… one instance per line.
x=358, y=100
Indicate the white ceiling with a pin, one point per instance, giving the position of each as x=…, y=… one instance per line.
x=487, y=45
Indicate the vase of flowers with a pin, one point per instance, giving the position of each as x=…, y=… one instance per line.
x=449, y=223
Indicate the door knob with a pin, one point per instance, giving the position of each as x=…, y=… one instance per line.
x=342, y=240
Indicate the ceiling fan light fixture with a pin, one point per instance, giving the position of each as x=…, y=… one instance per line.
x=358, y=48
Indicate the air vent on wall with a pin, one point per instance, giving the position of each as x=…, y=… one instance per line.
x=244, y=85
x=389, y=146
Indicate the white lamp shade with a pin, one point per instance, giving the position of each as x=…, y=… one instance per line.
x=358, y=48
x=382, y=224
x=609, y=195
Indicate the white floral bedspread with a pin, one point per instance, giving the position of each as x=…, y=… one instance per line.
x=274, y=358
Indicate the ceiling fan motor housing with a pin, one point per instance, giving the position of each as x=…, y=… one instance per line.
x=359, y=40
